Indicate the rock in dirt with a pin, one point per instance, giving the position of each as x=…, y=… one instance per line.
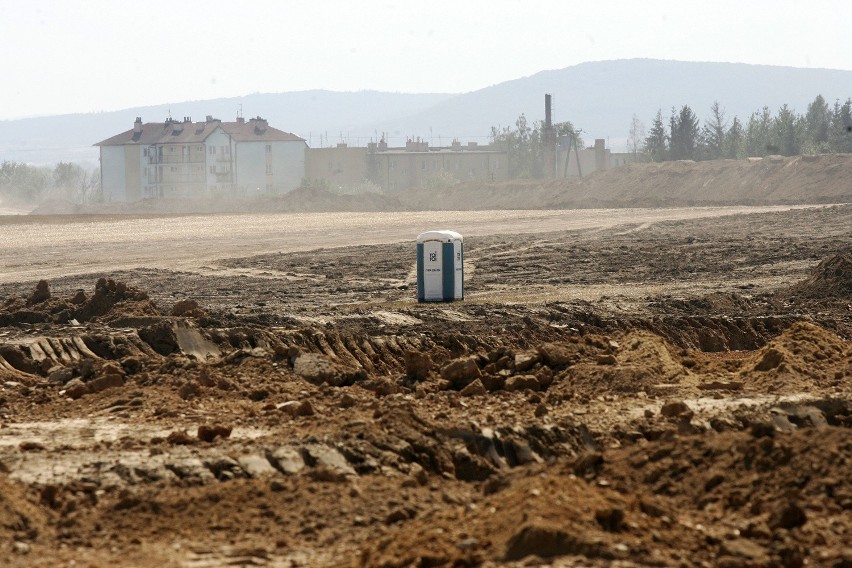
x=676, y=408
x=787, y=516
x=296, y=408
x=558, y=354
x=109, y=381
x=546, y=542
x=319, y=456
x=525, y=361
x=476, y=388
x=76, y=388
x=256, y=466
x=522, y=382
x=610, y=519
x=187, y=308
x=743, y=548
x=285, y=459
x=418, y=365
x=772, y=359
x=208, y=433
x=180, y=438
x=320, y=369
x=461, y=371
x=40, y=294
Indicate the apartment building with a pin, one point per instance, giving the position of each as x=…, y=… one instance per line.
x=186, y=159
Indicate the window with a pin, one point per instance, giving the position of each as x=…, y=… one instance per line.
x=268, y=148
x=174, y=168
x=423, y=165
x=145, y=152
x=211, y=150
x=269, y=187
x=268, y=169
x=171, y=149
x=200, y=148
x=392, y=165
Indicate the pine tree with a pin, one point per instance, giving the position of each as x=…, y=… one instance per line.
x=817, y=125
x=684, y=134
x=787, y=132
x=734, y=141
x=840, y=133
x=713, y=133
x=655, y=143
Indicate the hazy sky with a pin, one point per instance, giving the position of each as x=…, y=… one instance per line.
x=68, y=56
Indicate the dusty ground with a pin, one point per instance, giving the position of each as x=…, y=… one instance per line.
x=666, y=392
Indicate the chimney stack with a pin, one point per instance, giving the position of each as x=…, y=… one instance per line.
x=137, y=126
x=548, y=122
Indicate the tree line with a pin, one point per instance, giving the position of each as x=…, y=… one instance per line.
x=823, y=129
x=28, y=184
x=525, y=145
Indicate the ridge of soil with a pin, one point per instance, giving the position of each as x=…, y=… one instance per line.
x=773, y=180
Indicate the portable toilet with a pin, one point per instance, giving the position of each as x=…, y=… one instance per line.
x=440, y=266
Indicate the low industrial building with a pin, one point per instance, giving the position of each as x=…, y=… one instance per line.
x=399, y=168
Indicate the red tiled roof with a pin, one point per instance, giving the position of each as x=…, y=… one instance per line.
x=175, y=132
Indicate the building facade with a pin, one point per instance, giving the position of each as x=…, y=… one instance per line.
x=410, y=167
x=200, y=159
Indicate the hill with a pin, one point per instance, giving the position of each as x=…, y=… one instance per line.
x=598, y=97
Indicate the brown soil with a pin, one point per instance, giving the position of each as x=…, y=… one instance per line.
x=672, y=394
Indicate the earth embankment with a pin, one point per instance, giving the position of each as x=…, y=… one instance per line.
x=773, y=180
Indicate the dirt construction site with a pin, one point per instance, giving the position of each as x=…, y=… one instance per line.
x=619, y=387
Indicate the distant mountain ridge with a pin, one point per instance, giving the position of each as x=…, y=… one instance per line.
x=598, y=97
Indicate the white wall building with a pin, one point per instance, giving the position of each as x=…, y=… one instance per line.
x=199, y=159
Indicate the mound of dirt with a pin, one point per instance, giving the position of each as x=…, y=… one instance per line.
x=754, y=181
x=19, y=517
x=832, y=278
x=111, y=300
x=692, y=496
x=803, y=355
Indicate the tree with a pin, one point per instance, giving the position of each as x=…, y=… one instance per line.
x=636, y=136
x=817, y=125
x=757, y=134
x=684, y=134
x=786, y=135
x=655, y=143
x=713, y=133
x=732, y=146
x=840, y=133
x=22, y=182
x=525, y=145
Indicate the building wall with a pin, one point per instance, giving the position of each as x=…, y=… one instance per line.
x=132, y=173
x=269, y=166
x=591, y=160
x=113, y=178
x=181, y=170
x=400, y=170
x=340, y=166
x=219, y=169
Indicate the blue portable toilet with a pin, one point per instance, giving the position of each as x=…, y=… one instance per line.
x=440, y=266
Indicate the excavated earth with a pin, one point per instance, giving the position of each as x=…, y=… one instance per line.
x=676, y=393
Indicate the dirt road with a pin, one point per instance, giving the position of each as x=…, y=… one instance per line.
x=34, y=247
